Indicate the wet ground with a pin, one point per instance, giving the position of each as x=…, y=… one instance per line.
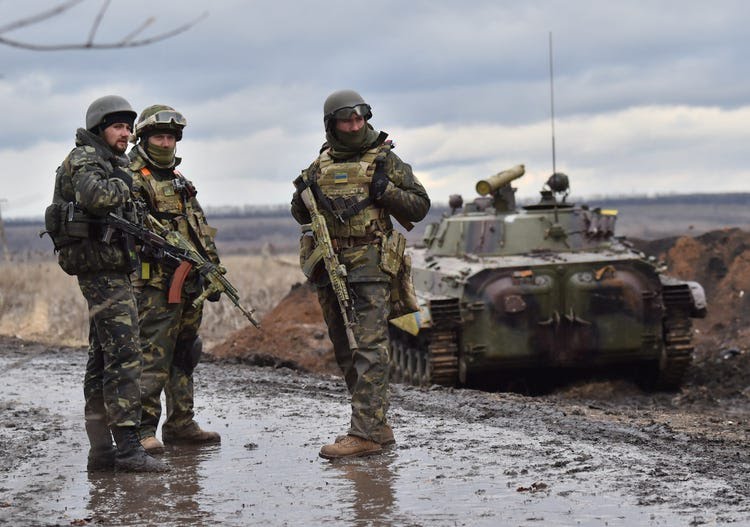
x=597, y=454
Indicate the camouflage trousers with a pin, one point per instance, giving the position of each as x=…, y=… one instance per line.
x=111, y=384
x=367, y=370
x=168, y=332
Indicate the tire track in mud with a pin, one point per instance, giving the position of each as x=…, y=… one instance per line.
x=691, y=473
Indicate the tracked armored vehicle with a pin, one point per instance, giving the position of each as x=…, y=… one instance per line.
x=505, y=290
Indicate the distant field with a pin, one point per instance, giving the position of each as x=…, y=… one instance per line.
x=38, y=301
x=272, y=229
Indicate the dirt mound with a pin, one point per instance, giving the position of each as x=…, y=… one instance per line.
x=293, y=335
x=720, y=261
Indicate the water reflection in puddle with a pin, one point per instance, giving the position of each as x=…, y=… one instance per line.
x=266, y=472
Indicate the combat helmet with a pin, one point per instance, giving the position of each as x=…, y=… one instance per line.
x=160, y=117
x=342, y=104
x=108, y=110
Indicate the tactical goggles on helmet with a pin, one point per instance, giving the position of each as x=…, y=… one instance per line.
x=363, y=110
x=162, y=117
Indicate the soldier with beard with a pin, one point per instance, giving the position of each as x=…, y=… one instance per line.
x=92, y=182
x=169, y=328
x=358, y=184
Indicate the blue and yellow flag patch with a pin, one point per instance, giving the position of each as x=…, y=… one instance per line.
x=341, y=178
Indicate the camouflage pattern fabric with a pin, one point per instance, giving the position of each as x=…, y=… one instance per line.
x=405, y=196
x=177, y=208
x=167, y=332
x=111, y=384
x=84, y=178
x=366, y=372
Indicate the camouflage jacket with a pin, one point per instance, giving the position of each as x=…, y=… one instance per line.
x=84, y=179
x=404, y=197
x=170, y=198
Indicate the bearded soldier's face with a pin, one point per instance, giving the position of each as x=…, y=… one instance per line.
x=116, y=136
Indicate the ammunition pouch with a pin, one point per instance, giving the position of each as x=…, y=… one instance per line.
x=403, y=296
x=187, y=355
x=396, y=264
x=392, y=253
x=65, y=224
x=52, y=220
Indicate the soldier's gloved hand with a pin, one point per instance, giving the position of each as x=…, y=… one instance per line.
x=190, y=190
x=378, y=185
x=214, y=297
x=123, y=176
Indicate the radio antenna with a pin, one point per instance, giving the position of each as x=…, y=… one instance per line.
x=552, y=102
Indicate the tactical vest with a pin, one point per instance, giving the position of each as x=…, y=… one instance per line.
x=169, y=204
x=347, y=187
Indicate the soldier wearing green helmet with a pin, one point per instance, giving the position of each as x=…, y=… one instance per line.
x=358, y=183
x=168, y=326
x=92, y=182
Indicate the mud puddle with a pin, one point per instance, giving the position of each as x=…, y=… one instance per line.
x=462, y=458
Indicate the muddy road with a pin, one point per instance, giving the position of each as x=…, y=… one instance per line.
x=596, y=454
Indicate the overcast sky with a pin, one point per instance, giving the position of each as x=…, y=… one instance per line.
x=651, y=97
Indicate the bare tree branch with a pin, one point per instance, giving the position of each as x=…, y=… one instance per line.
x=150, y=20
x=125, y=42
x=97, y=21
x=44, y=15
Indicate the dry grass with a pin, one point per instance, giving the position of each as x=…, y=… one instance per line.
x=38, y=301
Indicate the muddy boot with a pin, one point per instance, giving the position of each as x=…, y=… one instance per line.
x=102, y=452
x=131, y=457
x=192, y=434
x=152, y=445
x=388, y=432
x=350, y=446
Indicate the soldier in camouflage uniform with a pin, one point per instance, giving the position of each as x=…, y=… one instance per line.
x=92, y=182
x=169, y=330
x=359, y=183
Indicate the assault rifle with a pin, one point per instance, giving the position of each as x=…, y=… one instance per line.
x=172, y=246
x=336, y=270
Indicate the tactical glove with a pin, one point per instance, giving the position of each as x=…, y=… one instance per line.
x=378, y=185
x=123, y=176
x=214, y=297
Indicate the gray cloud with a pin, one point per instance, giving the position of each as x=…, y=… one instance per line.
x=471, y=76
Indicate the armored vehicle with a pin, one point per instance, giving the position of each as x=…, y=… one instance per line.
x=505, y=290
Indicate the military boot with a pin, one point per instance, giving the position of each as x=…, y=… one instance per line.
x=192, y=434
x=152, y=445
x=102, y=452
x=131, y=456
x=350, y=446
x=387, y=433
